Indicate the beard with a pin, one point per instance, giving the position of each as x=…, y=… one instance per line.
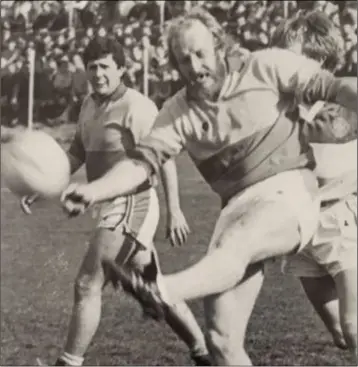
x=200, y=90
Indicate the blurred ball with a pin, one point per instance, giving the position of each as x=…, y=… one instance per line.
x=33, y=162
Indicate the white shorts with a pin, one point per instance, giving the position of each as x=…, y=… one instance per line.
x=334, y=247
x=135, y=215
x=295, y=189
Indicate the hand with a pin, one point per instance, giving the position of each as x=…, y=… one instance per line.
x=177, y=229
x=26, y=201
x=7, y=135
x=76, y=199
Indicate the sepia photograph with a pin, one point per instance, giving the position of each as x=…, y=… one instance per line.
x=178, y=183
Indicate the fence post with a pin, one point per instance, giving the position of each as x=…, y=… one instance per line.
x=146, y=45
x=31, y=59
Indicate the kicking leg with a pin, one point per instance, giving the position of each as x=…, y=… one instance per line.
x=260, y=233
x=179, y=317
x=322, y=293
x=227, y=317
x=270, y=220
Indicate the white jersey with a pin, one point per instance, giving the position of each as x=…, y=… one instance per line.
x=336, y=164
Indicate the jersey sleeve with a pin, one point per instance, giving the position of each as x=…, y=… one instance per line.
x=76, y=152
x=294, y=75
x=141, y=119
x=166, y=140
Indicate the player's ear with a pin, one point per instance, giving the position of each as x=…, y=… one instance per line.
x=121, y=71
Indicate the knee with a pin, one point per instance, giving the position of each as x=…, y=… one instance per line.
x=141, y=259
x=87, y=286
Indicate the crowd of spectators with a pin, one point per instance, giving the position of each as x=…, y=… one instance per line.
x=60, y=30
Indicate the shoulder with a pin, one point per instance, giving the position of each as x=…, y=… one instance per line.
x=138, y=102
x=87, y=101
x=283, y=58
x=176, y=106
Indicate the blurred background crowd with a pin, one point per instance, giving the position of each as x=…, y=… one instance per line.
x=58, y=31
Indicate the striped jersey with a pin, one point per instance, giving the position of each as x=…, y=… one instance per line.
x=107, y=130
x=251, y=132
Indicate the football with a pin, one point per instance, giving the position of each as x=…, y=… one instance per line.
x=32, y=162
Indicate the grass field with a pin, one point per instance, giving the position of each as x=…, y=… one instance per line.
x=40, y=256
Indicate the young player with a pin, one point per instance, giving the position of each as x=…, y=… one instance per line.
x=113, y=119
x=253, y=155
x=327, y=267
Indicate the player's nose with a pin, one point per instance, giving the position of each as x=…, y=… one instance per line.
x=195, y=65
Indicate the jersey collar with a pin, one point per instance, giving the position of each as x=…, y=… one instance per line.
x=115, y=96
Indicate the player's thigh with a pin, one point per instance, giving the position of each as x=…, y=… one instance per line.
x=104, y=243
x=267, y=222
x=145, y=218
x=227, y=314
x=260, y=233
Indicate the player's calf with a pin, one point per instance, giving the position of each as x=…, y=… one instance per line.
x=346, y=283
x=225, y=349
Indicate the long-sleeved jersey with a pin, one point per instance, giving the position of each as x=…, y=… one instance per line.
x=249, y=133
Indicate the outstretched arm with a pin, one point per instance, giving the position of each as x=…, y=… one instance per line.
x=296, y=76
x=125, y=177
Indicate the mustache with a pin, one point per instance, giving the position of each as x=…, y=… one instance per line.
x=199, y=76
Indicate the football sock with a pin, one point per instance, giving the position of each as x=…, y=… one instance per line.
x=70, y=360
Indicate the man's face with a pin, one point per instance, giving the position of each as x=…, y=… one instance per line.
x=11, y=46
x=197, y=59
x=104, y=75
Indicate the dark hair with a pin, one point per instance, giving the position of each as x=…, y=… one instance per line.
x=318, y=35
x=100, y=47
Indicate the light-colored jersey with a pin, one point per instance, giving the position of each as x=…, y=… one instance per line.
x=106, y=131
x=333, y=137
x=245, y=136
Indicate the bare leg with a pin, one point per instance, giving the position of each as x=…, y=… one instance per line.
x=178, y=316
x=227, y=317
x=255, y=236
x=322, y=293
x=346, y=285
x=88, y=292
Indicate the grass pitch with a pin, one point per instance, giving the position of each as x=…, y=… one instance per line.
x=40, y=256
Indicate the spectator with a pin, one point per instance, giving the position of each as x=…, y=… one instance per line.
x=63, y=92
x=249, y=22
x=8, y=97
x=81, y=86
x=17, y=20
x=46, y=17
x=61, y=20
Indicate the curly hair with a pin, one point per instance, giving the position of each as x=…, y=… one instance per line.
x=222, y=40
x=318, y=35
